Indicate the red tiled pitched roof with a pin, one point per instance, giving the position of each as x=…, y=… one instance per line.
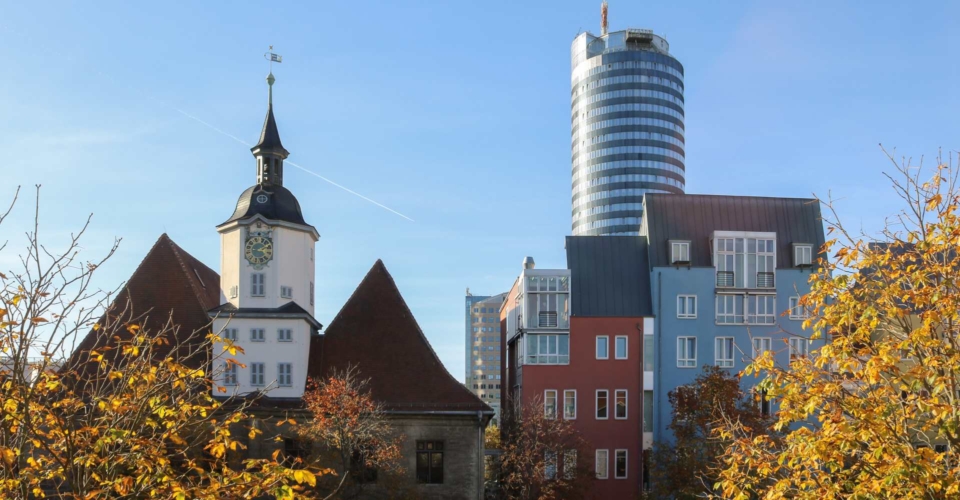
x=376, y=332
x=169, y=281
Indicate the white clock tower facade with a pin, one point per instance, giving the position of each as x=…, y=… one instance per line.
x=267, y=284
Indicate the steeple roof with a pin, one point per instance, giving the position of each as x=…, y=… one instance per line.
x=270, y=135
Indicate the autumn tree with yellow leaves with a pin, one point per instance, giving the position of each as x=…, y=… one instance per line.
x=875, y=413
x=133, y=418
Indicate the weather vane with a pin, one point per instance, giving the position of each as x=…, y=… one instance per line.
x=273, y=58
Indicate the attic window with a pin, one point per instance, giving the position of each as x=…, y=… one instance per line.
x=802, y=255
x=679, y=252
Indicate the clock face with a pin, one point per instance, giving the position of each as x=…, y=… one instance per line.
x=258, y=250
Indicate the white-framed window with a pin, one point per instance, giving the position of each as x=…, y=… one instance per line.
x=256, y=335
x=620, y=347
x=603, y=347
x=723, y=352
x=256, y=374
x=747, y=261
x=686, y=352
x=798, y=347
x=256, y=284
x=311, y=293
x=234, y=291
x=620, y=404
x=548, y=301
x=603, y=397
x=284, y=335
x=550, y=465
x=761, y=345
x=602, y=463
x=550, y=404
x=311, y=254
x=570, y=404
x=546, y=349
x=284, y=374
x=687, y=306
x=230, y=334
x=620, y=464
x=286, y=292
x=229, y=374
x=679, y=252
x=752, y=309
x=797, y=311
x=802, y=255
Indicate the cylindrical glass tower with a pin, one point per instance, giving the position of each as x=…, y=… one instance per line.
x=627, y=128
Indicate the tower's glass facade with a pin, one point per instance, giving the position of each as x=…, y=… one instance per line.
x=627, y=128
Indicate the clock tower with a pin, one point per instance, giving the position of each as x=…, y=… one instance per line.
x=267, y=278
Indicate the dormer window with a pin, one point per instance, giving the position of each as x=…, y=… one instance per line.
x=679, y=252
x=802, y=255
x=745, y=260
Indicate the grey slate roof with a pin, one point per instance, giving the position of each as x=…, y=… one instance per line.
x=270, y=135
x=695, y=217
x=609, y=276
x=280, y=205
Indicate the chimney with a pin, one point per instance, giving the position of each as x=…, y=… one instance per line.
x=528, y=263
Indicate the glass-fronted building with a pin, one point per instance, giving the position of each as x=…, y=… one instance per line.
x=627, y=128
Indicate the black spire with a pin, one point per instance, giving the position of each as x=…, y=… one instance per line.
x=269, y=151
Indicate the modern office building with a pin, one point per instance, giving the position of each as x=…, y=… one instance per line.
x=483, y=348
x=627, y=118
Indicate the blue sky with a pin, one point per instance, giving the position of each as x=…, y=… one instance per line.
x=453, y=113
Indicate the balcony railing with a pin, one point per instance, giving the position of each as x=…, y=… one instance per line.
x=765, y=280
x=725, y=278
x=548, y=320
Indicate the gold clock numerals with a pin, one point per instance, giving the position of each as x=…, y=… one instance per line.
x=258, y=250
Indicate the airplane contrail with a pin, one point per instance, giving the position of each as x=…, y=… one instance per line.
x=288, y=162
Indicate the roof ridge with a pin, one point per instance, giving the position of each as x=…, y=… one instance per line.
x=380, y=267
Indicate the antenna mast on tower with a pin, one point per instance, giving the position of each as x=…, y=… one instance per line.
x=603, y=18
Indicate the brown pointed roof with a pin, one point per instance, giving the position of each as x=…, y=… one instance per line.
x=169, y=281
x=376, y=332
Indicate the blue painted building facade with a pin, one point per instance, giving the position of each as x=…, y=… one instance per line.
x=725, y=274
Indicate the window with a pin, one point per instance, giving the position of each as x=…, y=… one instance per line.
x=743, y=262
x=620, y=464
x=602, y=396
x=550, y=404
x=284, y=335
x=796, y=310
x=764, y=403
x=679, y=252
x=311, y=254
x=229, y=374
x=760, y=346
x=430, y=462
x=295, y=450
x=798, y=348
x=602, y=462
x=620, y=347
x=620, y=404
x=286, y=292
x=647, y=411
x=686, y=306
x=648, y=353
x=723, y=352
x=256, y=284
x=311, y=293
x=760, y=309
x=802, y=255
x=548, y=349
x=603, y=347
x=686, y=352
x=569, y=404
x=548, y=301
x=256, y=374
x=284, y=374
x=549, y=465
x=256, y=335
x=361, y=468
x=230, y=334
x=234, y=290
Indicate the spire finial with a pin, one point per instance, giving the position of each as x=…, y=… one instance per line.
x=273, y=58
